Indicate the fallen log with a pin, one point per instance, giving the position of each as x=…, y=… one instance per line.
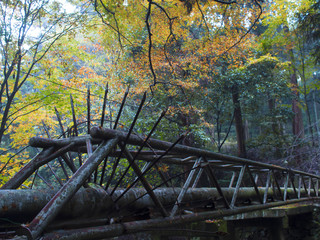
x=94, y=202
x=114, y=230
x=105, y=133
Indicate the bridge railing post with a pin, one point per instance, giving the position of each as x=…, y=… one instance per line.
x=185, y=187
x=286, y=187
x=299, y=186
x=265, y=196
x=292, y=178
x=239, y=181
x=309, y=186
x=196, y=181
x=254, y=184
x=234, y=174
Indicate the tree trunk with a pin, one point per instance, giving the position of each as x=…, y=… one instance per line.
x=272, y=106
x=305, y=92
x=238, y=121
x=297, y=123
x=185, y=122
x=310, y=128
x=316, y=116
x=276, y=128
x=246, y=130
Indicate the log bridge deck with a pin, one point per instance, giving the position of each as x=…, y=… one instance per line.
x=94, y=197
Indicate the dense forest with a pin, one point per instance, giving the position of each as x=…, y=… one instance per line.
x=240, y=77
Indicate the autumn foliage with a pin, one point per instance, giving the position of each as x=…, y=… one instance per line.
x=221, y=69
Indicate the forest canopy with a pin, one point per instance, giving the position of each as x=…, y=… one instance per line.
x=241, y=77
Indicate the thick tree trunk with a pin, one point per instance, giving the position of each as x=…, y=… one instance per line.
x=186, y=121
x=310, y=127
x=316, y=115
x=238, y=121
x=95, y=202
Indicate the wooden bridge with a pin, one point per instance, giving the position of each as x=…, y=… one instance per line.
x=109, y=183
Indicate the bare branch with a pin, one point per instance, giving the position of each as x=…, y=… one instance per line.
x=31, y=103
x=24, y=114
x=150, y=45
x=17, y=153
x=223, y=2
x=116, y=29
x=203, y=17
x=248, y=31
x=171, y=34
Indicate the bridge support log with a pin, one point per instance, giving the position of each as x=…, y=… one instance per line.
x=91, y=202
x=53, y=207
x=82, y=207
x=114, y=230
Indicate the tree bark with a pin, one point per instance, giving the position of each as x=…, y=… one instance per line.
x=239, y=124
x=316, y=115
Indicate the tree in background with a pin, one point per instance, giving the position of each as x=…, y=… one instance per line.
x=289, y=42
x=29, y=29
x=309, y=20
x=178, y=49
x=218, y=68
x=265, y=97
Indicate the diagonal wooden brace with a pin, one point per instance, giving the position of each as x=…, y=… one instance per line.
x=41, y=159
x=254, y=184
x=286, y=183
x=215, y=182
x=265, y=196
x=144, y=182
x=235, y=194
x=185, y=187
x=50, y=211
